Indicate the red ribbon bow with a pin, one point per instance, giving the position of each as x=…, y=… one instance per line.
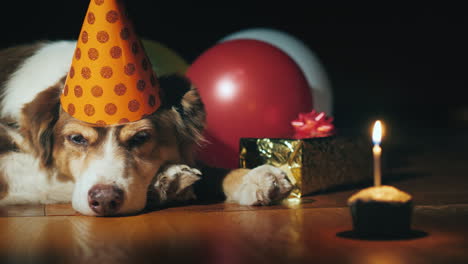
x=313, y=124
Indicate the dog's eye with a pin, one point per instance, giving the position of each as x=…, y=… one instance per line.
x=139, y=139
x=78, y=139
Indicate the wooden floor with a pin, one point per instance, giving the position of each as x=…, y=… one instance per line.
x=317, y=230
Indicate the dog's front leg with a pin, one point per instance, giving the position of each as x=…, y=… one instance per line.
x=173, y=184
x=22, y=179
x=262, y=185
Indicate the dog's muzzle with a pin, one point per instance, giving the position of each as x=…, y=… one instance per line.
x=105, y=199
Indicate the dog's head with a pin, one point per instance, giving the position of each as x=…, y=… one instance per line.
x=113, y=166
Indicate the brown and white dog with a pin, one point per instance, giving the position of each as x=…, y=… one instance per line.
x=47, y=156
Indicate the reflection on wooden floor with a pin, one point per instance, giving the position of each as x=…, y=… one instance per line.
x=226, y=234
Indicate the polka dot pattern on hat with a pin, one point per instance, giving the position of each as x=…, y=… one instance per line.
x=71, y=73
x=91, y=18
x=84, y=37
x=133, y=105
x=120, y=89
x=141, y=84
x=78, y=53
x=71, y=109
x=129, y=69
x=116, y=52
x=123, y=121
x=110, y=80
x=112, y=16
x=102, y=36
x=110, y=109
x=89, y=109
x=96, y=91
x=78, y=91
x=86, y=72
x=93, y=54
x=65, y=90
x=106, y=72
x=101, y=123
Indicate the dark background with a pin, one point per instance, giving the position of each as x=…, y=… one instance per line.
x=405, y=64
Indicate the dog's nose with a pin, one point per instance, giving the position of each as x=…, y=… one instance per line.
x=105, y=199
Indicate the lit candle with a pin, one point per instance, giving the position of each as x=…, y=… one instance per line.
x=377, y=151
x=380, y=211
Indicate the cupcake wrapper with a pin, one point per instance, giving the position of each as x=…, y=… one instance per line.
x=381, y=218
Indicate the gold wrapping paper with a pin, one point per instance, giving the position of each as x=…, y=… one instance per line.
x=312, y=165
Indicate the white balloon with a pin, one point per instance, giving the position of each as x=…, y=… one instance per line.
x=310, y=65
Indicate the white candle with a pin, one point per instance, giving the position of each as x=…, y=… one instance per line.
x=377, y=152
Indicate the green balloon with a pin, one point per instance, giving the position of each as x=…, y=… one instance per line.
x=164, y=60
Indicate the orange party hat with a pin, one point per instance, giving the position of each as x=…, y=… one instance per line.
x=111, y=79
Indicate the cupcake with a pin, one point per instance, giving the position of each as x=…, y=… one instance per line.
x=381, y=211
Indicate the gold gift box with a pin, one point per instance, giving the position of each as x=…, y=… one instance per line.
x=313, y=164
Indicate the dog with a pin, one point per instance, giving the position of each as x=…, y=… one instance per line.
x=47, y=156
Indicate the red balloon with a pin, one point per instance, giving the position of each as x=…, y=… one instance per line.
x=250, y=89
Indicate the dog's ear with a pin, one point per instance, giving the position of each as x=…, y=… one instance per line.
x=38, y=119
x=173, y=87
x=179, y=94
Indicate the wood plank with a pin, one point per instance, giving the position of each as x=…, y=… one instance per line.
x=301, y=235
x=59, y=210
x=22, y=210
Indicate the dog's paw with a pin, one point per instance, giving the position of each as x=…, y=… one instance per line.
x=174, y=184
x=263, y=185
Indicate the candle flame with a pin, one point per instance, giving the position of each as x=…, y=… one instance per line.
x=377, y=132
